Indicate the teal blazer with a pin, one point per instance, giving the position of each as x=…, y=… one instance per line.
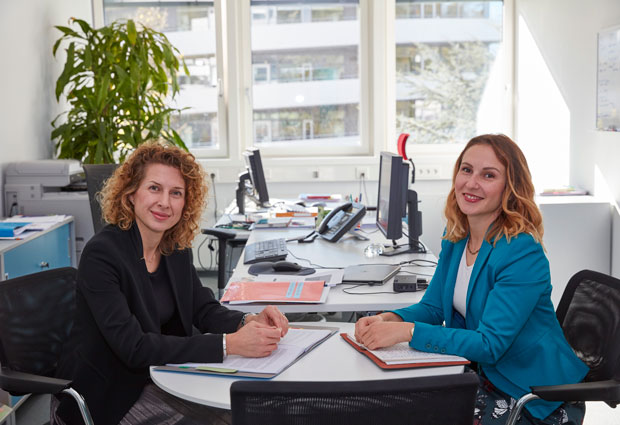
x=510, y=329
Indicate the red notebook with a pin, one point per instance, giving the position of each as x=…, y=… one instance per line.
x=418, y=363
x=287, y=292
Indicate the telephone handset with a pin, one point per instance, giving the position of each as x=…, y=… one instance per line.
x=340, y=220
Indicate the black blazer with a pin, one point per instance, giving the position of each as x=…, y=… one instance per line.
x=117, y=335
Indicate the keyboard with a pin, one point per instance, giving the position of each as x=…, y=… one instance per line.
x=269, y=250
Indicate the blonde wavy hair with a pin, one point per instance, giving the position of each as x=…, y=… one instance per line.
x=118, y=210
x=519, y=212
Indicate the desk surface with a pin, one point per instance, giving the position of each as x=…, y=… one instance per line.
x=346, y=252
x=332, y=361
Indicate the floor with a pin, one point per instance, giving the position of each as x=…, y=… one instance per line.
x=35, y=410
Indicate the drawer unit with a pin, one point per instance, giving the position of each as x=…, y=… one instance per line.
x=49, y=249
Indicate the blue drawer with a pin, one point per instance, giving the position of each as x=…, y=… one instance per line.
x=52, y=249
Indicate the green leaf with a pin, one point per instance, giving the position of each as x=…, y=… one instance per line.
x=86, y=28
x=131, y=32
x=66, y=72
x=67, y=31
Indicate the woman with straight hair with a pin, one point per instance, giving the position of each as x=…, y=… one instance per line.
x=490, y=297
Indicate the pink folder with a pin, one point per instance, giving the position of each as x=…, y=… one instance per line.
x=287, y=292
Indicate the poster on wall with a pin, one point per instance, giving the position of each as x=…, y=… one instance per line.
x=608, y=80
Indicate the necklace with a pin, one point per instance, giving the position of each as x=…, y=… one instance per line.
x=470, y=250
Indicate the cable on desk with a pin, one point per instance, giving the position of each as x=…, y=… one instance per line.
x=310, y=263
x=414, y=273
x=417, y=261
x=347, y=290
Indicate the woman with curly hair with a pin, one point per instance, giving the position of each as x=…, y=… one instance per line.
x=140, y=301
x=490, y=297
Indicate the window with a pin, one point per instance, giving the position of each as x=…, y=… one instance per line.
x=444, y=68
x=191, y=28
x=312, y=97
x=334, y=78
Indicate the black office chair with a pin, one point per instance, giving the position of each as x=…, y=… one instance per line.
x=36, y=317
x=433, y=400
x=589, y=313
x=227, y=240
x=96, y=175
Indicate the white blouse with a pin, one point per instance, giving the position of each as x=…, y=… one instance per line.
x=462, y=283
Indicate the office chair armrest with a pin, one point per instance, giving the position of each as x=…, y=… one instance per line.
x=608, y=391
x=220, y=234
x=18, y=383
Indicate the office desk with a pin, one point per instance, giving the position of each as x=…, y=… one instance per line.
x=333, y=360
x=346, y=252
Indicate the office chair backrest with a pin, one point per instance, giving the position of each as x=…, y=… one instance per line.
x=96, y=175
x=436, y=400
x=36, y=317
x=589, y=313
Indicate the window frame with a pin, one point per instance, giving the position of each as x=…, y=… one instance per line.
x=377, y=58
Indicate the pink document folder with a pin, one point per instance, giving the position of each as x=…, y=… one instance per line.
x=287, y=292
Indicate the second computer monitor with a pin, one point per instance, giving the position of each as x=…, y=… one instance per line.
x=257, y=175
x=394, y=202
x=392, y=197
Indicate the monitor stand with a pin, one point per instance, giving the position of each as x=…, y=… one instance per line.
x=242, y=192
x=414, y=218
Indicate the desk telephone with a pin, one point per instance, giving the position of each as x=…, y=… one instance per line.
x=340, y=220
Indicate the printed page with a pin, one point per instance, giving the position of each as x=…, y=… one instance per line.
x=402, y=353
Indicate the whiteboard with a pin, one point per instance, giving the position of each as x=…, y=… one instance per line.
x=608, y=80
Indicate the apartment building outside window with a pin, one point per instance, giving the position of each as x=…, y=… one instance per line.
x=445, y=54
x=310, y=70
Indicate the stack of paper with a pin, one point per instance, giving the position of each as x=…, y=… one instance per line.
x=20, y=227
x=9, y=229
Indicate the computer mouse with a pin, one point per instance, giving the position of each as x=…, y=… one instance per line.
x=319, y=204
x=286, y=266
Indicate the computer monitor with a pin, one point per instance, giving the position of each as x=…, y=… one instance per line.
x=257, y=174
x=252, y=181
x=394, y=202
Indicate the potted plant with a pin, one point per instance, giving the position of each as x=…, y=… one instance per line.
x=117, y=81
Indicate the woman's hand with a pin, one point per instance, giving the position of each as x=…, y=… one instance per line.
x=379, y=334
x=255, y=339
x=273, y=317
x=361, y=326
x=382, y=330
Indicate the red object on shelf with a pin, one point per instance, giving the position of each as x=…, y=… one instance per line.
x=402, y=141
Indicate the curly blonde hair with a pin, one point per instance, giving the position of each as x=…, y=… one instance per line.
x=118, y=210
x=519, y=212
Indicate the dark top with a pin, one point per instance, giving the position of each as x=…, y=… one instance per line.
x=117, y=333
x=162, y=291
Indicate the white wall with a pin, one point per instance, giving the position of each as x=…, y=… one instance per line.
x=28, y=74
x=565, y=32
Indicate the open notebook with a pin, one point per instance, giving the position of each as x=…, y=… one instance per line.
x=401, y=355
x=294, y=345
